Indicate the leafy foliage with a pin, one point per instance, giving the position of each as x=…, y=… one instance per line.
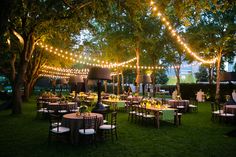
x=202, y=75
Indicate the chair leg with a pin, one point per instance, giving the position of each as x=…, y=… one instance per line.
x=179, y=120
x=116, y=134
x=112, y=136
x=49, y=138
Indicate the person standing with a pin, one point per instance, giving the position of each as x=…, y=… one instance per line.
x=234, y=96
x=200, y=96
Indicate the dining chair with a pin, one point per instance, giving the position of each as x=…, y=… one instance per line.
x=89, y=129
x=193, y=106
x=215, y=111
x=147, y=116
x=131, y=112
x=110, y=128
x=181, y=108
x=138, y=114
x=55, y=127
x=226, y=116
x=41, y=108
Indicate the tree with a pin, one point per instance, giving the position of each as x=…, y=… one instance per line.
x=162, y=77
x=28, y=22
x=214, y=35
x=202, y=75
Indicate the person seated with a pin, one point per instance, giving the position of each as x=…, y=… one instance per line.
x=174, y=95
x=229, y=100
x=129, y=92
x=200, y=96
x=234, y=96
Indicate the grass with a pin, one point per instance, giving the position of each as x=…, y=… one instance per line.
x=24, y=135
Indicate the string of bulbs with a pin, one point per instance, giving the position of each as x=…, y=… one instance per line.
x=174, y=33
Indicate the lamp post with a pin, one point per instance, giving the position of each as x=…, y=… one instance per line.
x=75, y=80
x=53, y=83
x=138, y=80
x=144, y=79
x=147, y=80
x=99, y=74
x=61, y=82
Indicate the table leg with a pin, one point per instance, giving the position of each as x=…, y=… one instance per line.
x=157, y=119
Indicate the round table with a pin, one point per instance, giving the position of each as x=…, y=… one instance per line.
x=68, y=106
x=75, y=123
x=230, y=108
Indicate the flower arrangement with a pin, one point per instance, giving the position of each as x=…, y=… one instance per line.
x=113, y=96
x=47, y=94
x=63, y=98
x=83, y=109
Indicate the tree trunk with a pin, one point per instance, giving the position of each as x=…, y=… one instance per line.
x=26, y=91
x=122, y=82
x=105, y=86
x=154, y=83
x=177, y=73
x=118, y=83
x=16, y=92
x=210, y=75
x=16, y=99
x=113, y=84
x=28, y=88
x=217, y=97
x=137, y=51
x=19, y=79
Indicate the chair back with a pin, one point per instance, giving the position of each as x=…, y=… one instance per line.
x=89, y=122
x=54, y=121
x=215, y=106
x=113, y=118
x=212, y=106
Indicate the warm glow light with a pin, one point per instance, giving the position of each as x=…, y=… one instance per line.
x=75, y=58
x=179, y=40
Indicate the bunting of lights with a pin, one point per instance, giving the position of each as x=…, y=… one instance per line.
x=82, y=59
x=175, y=35
x=55, y=72
x=53, y=76
x=160, y=67
x=67, y=70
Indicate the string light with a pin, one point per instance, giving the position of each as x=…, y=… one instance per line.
x=82, y=59
x=67, y=70
x=56, y=72
x=178, y=38
x=160, y=67
x=53, y=76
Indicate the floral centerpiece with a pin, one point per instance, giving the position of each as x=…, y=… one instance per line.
x=47, y=94
x=63, y=98
x=113, y=97
x=83, y=109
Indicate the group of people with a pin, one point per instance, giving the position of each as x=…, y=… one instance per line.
x=200, y=96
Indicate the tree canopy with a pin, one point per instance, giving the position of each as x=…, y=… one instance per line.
x=119, y=30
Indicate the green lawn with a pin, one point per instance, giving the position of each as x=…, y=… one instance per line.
x=25, y=135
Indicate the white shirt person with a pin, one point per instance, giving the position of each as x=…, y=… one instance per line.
x=234, y=95
x=200, y=96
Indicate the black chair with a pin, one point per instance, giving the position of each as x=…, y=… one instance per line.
x=41, y=108
x=147, y=116
x=193, y=106
x=225, y=115
x=131, y=112
x=89, y=129
x=215, y=111
x=110, y=128
x=55, y=127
